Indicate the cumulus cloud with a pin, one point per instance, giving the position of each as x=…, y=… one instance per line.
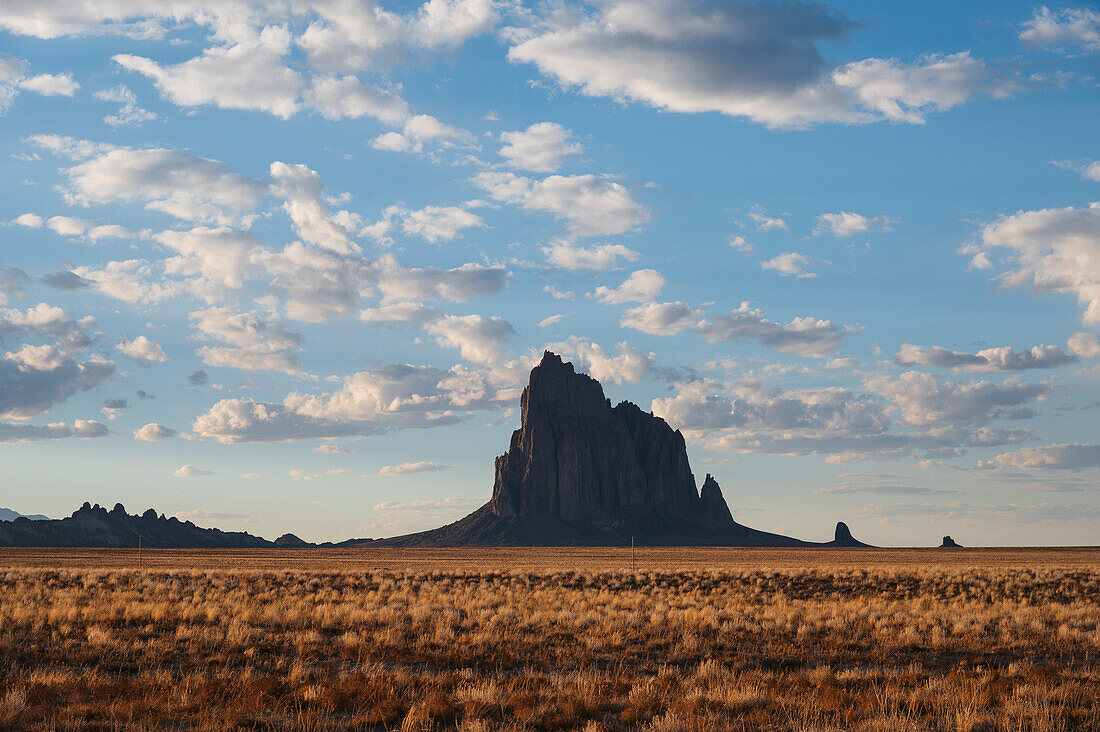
x=332, y=450
x=12, y=280
x=837, y=423
x=802, y=336
x=1084, y=345
x=458, y=284
x=15, y=77
x=845, y=224
x=420, y=130
x=250, y=342
x=590, y=205
x=318, y=285
x=35, y=378
x=1067, y=28
x=439, y=223
x=346, y=97
x=1053, y=250
x=368, y=402
x=248, y=74
x=1074, y=456
x=153, y=432
x=763, y=221
x=543, y=147
x=219, y=259
x=641, y=286
x=1002, y=359
x=20, y=432
x=129, y=280
x=744, y=59
x=922, y=399
x=129, y=114
x=300, y=188
x=478, y=338
x=183, y=186
x=596, y=258
x=142, y=349
x=791, y=264
x=390, y=471
x=47, y=321
x=190, y=471
x=629, y=365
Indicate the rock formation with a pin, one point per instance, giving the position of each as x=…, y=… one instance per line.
x=581, y=472
x=95, y=526
x=949, y=543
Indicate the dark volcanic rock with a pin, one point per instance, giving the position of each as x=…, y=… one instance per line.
x=290, y=541
x=843, y=537
x=94, y=526
x=581, y=472
x=949, y=543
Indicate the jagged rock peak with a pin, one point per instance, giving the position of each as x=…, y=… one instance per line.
x=949, y=543
x=842, y=533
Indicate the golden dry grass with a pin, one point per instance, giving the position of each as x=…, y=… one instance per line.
x=695, y=639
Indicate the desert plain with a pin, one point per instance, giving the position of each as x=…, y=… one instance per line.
x=550, y=639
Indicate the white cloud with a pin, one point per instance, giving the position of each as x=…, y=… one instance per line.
x=436, y=223
x=641, y=286
x=542, y=147
x=923, y=399
x=12, y=280
x=130, y=280
x=759, y=216
x=397, y=396
x=1065, y=28
x=300, y=188
x=802, y=336
x=319, y=285
x=458, y=284
x=630, y=365
x=189, y=188
x=251, y=342
x=741, y=244
x=479, y=339
x=590, y=205
x=346, y=97
x=1053, y=249
x=1048, y=457
x=846, y=223
x=47, y=321
x=1002, y=359
x=390, y=471
x=30, y=220
x=552, y=319
x=248, y=74
x=129, y=113
x=142, y=349
x=50, y=85
x=332, y=450
x=791, y=264
x=1084, y=345
x=220, y=258
x=597, y=258
x=754, y=60
x=81, y=428
x=419, y=130
x=153, y=432
x=35, y=378
x=189, y=471
x=69, y=147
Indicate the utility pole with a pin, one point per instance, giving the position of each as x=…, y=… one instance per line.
x=139, y=552
x=632, y=555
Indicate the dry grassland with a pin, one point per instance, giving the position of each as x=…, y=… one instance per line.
x=698, y=639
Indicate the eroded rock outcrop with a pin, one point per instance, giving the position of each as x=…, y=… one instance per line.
x=581, y=472
x=949, y=543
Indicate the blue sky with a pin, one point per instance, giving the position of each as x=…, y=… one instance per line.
x=284, y=266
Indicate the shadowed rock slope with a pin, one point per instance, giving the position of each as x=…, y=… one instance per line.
x=580, y=472
x=94, y=526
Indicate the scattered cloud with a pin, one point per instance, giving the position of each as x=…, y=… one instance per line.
x=641, y=286
x=1063, y=29
x=846, y=224
x=390, y=471
x=142, y=350
x=1048, y=457
x=189, y=471
x=1003, y=360
x=596, y=258
x=543, y=147
x=153, y=432
x=791, y=264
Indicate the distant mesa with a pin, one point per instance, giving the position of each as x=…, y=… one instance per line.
x=7, y=514
x=580, y=472
x=949, y=543
x=95, y=526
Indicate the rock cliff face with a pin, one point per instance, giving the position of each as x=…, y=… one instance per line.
x=581, y=472
x=949, y=543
